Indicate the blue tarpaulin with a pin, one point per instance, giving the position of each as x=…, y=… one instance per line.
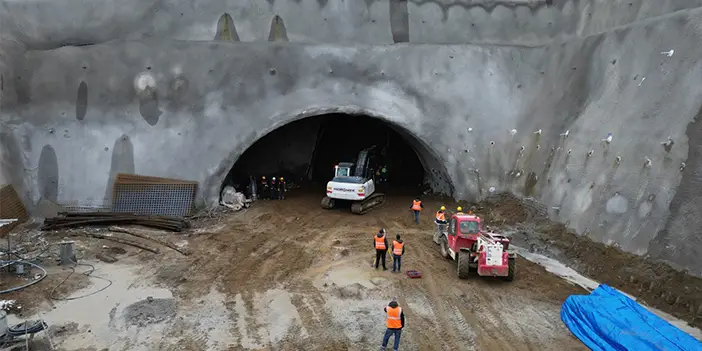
x=607, y=320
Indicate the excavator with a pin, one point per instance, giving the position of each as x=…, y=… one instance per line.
x=354, y=182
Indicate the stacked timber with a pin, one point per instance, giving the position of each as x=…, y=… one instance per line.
x=11, y=207
x=82, y=219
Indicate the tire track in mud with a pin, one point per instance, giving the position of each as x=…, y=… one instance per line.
x=318, y=321
x=447, y=336
x=473, y=301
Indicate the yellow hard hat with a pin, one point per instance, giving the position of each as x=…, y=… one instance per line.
x=443, y=208
x=459, y=209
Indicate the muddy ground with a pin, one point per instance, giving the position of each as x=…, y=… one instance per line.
x=288, y=275
x=655, y=284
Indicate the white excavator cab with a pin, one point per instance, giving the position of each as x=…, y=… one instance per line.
x=343, y=170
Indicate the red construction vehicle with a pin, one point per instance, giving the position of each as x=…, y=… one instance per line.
x=474, y=250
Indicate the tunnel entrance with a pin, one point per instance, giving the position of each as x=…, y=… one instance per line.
x=306, y=151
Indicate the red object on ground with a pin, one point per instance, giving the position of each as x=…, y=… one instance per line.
x=414, y=274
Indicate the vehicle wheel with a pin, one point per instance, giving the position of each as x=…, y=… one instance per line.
x=444, y=248
x=512, y=264
x=463, y=265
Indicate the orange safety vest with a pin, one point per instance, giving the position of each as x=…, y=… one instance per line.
x=379, y=242
x=440, y=216
x=394, y=320
x=416, y=205
x=397, y=248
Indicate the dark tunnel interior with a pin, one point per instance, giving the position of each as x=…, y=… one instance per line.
x=306, y=151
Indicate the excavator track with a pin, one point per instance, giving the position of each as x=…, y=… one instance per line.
x=368, y=204
x=327, y=203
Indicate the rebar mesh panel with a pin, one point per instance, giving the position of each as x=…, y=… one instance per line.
x=140, y=179
x=11, y=207
x=154, y=199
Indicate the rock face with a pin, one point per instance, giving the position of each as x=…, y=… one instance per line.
x=485, y=90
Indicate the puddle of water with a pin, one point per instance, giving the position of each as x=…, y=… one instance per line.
x=588, y=284
x=346, y=276
x=93, y=312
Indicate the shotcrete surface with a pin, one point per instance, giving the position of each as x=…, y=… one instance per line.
x=180, y=89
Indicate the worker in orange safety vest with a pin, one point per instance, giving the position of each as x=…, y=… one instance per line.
x=398, y=249
x=416, y=207
x=440, y=223
x=380, y=243
x=395, y=323
x=441, y=215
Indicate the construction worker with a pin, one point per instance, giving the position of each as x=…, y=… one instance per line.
x=282, y=188
x=398, y=249
x=416, y=207
x=380, y=242
x=441, y=223
x=264, y=190
x=441, y=215
x=252, y=186
x=459, y=210
x=384, y=174
x=274, y=189
x=395, y=323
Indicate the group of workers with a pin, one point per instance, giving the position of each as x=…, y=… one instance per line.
x=380, y=243
x=274, y=189
x=395, y=320
x=418, y=206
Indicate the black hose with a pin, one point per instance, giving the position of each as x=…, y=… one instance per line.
x=87, y=274
x=27, y=327
x=7, y=263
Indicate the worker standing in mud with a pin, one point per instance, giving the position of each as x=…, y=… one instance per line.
x=274, y=189
x=380, y=242
x=398, y=249
x=282, y=188
x=384, y=174
x=264, y=190
x=252, y=188
x=416, y=207
x=395, y=322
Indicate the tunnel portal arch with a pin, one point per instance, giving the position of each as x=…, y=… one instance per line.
x=435, y=171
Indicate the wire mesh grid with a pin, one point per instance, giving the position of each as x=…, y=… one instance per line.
x=165, y=199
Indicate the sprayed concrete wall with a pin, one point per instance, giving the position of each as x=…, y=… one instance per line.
x=179, y=89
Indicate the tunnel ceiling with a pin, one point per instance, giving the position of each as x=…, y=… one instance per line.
x=515, y=96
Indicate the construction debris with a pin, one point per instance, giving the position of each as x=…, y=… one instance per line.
x=233, y=199
x=139, y=234
x=123, y=241
x=73, y=219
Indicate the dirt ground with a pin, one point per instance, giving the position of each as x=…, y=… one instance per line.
x=288, y=275
x=655, y=284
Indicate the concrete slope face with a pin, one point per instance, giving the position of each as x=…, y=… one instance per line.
x=496, y=96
